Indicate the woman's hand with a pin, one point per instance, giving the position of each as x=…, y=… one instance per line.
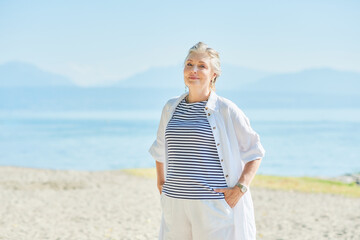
x=160, y=186
x=160, y=175
x=232, y=195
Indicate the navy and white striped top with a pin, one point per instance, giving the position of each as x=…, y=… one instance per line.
x=194, y=168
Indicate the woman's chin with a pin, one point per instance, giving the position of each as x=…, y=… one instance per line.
x=193, y=83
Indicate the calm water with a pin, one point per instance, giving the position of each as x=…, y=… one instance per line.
x=310, y=142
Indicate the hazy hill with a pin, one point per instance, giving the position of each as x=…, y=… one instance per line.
x=314, y=81
x=235, y=78
x=232, y=77
x=20, y=74
x=23, y=86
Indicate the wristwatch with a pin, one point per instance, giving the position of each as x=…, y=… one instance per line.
x=242, y=187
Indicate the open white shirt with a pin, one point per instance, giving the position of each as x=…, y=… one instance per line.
x=237, y=143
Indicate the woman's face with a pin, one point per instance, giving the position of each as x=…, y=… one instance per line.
x=198, y=71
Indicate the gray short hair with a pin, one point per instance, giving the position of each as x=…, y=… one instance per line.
x=201, y=47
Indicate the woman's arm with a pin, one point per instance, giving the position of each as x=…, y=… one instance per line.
x=233, y=195
x=160, y=175
x=249, y=172
x=251, y=152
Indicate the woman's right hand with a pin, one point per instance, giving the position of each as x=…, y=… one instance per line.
x=160, y=175
x=160, y=186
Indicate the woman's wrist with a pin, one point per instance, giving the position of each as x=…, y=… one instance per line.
x=160, y=181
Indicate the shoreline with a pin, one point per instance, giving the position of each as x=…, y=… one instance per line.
x=344, y=178
x=300, y=184
x=125, y=204
x=347, y=185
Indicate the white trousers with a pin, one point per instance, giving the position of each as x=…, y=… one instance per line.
x=184, y=219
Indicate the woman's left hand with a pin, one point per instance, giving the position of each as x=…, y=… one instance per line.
x=232, y=195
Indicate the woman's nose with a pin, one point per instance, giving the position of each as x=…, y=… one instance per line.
x=194, y=69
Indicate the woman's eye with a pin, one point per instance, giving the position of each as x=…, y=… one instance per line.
x=189, y=64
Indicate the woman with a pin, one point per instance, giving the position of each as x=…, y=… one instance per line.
x=206, y=157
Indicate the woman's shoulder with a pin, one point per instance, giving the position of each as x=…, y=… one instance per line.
x=229, y=105
x=171, y=101
x=229, y=109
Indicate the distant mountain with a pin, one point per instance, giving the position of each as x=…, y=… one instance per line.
x=20, y=74
x=235, y=77
x=156, y=77
x=312, y=81
x=232, y=77
x=24, y=86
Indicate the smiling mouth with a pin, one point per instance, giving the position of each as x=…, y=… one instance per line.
x=193, y=78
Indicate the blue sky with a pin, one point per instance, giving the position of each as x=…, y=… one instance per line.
x=104, y=41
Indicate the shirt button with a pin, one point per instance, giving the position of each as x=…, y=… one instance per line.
x=208, y=114
x=218, y=144
x=214, y=127
x=206, y=108
x=227, y=175
x=222, y=160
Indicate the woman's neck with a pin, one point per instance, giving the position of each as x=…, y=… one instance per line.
x=197, y=96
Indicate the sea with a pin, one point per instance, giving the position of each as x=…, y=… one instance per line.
x=65, y=134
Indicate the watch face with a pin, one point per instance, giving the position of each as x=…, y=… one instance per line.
x=242, y=188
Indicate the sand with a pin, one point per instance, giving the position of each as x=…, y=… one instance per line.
x=53, y=204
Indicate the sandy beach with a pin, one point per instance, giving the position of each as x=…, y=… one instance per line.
x=59, y=205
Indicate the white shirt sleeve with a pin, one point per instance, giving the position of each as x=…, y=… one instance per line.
x=157, y=149
x=248, y=140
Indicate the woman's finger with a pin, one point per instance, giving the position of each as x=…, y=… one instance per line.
x=223, y=190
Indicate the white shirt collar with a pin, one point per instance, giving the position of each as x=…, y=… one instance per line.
x=211, y=103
